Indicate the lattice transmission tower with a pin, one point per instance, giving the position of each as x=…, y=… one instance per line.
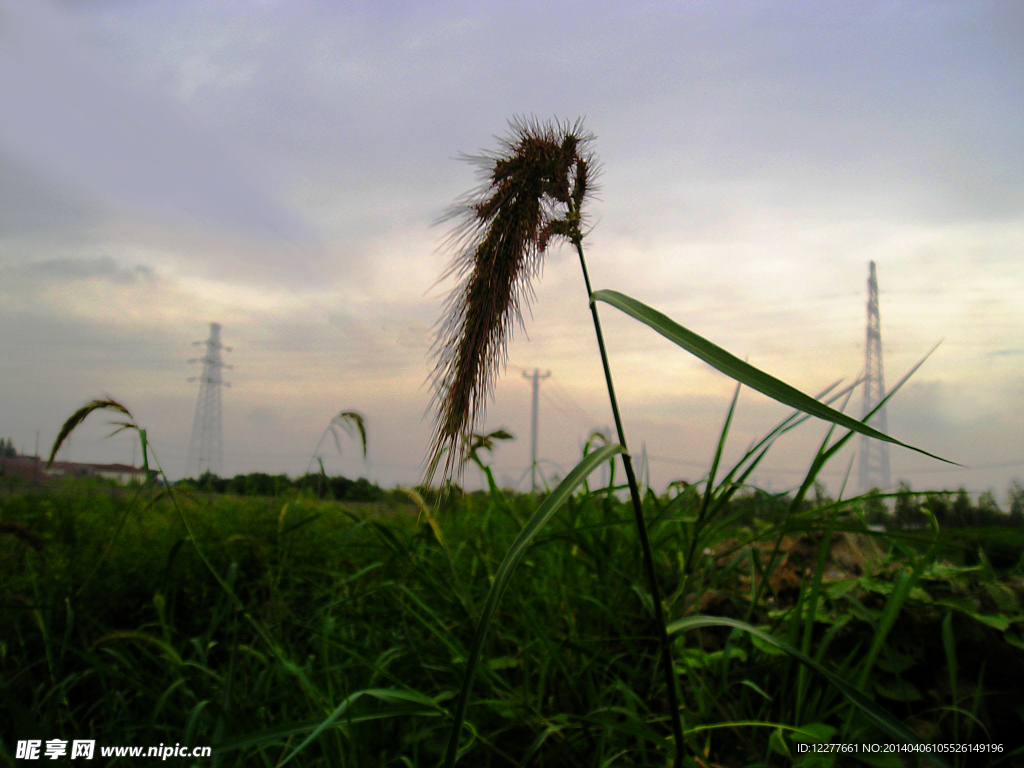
x=206, y=448
x=874, y=454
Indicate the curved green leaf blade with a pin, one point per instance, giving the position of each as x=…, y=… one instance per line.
x=504, y=574
x=742, y=372
x=420, y=705
x=280, y=734
x=876, y=714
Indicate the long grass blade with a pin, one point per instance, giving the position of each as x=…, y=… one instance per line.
x=754, y=455
x=949, y=646
x=742, y=372
x=403, y=704
x=825, y=454
x=709, y=491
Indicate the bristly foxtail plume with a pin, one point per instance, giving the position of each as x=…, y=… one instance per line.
x=533, y=190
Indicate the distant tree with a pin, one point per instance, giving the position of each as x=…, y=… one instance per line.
x=236, y=486
x=340, y=488
x=908, y=508
x=821, y=497
x=211, y=483
x=1016, y=499
x=7, y=450
x=939, y=506
x=363, y=490
x=988, y=511
x=261, y=484
x=875, y=511
x=962, y=514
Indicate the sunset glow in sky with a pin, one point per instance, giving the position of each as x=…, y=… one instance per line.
x=278, y=167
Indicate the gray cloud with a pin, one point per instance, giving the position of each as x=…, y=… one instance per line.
x=852, y=109
x=65, y=270
x=1005, y=353
x=34, y=210
x=64, y=114
x=756, y=156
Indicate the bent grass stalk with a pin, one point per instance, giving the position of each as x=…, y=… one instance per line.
x=347, y=420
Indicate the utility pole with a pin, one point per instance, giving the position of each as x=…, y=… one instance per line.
x=873, y=464
x=536, y=377
x=205, y=449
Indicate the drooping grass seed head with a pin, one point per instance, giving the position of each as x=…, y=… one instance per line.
x=78, y=417
x=532, y=191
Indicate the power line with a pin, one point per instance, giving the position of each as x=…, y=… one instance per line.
x=554, y=404
x=569, y=409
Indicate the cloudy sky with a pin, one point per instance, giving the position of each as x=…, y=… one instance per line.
x=278, y=167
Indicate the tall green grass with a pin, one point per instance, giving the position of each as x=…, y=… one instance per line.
x=299, y=631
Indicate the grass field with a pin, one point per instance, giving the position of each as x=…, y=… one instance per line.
x=354, y=622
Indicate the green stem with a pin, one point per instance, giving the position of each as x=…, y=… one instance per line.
x=641, y=525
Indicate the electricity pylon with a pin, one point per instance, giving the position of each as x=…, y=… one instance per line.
x=206, y=449
x=536, y=377
x=873, y=464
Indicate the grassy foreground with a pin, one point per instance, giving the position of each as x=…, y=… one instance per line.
x=338, y=633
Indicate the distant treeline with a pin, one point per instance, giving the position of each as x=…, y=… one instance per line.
x=955, y=510
x=261, y=484
x=906, y=511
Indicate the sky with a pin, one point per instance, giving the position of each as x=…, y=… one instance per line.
x=280, y=168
